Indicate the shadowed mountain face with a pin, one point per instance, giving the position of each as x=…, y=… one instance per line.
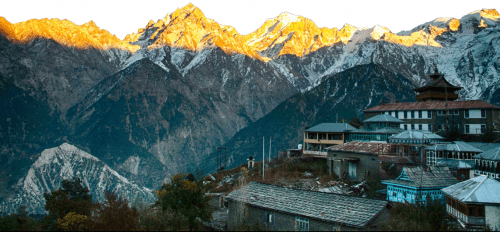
x=165, y=123
x=26, y=127
x=344, y=95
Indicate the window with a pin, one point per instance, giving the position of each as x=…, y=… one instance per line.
x=406, y=127
x=466, y=113
x=483, y=129
x=405, y=114
x=420, y=126
x=419, y=114
x=440, y=112
x=455, y=112
x=413, y=126
x=430, y=127
x=270, y=218
x=429, y=114
x=467, y=129
x=483, y=113
x=412, y=114
x=301, y=224
x=457, y=126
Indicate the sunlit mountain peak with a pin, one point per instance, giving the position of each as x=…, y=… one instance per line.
x=188, y=28
x=64, y=32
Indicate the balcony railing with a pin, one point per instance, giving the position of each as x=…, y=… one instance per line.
x=315, y=153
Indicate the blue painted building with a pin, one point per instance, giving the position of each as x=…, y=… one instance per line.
x=416, y=184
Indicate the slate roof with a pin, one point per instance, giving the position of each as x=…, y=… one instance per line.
x=350, y=211
x=455, y=146
x=416, y=135
x=331, y=127
x=481, y=189
x=383, y=118
x=391, y=130
x=415, y=177
x=362, y=147
x=472, y=104
x=484, y=146
x=493, y=154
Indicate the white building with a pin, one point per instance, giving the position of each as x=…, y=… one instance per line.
x=475, y=203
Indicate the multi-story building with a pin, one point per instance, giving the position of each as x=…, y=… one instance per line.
x=377, y=128
x=437, y=109
x=488, y=163
x=475, y=203
x=468, y=117
x=457, y=156
x=324, y=135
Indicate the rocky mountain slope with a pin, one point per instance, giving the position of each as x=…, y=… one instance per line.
x=64, y=162
x=340, y=96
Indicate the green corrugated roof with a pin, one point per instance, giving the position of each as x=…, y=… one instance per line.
x=331, y=127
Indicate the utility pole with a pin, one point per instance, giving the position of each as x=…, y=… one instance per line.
x=263, y=158
x=269, y=149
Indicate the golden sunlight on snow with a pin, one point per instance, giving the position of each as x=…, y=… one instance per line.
x=64, y=32
x=188, y=28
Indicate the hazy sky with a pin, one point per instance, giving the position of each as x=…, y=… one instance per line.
x=122, y=17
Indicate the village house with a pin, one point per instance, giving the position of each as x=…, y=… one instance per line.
x=413, y=142
x=355, y=160
x=437, y=110
x=488, y=163
x=475, y=203
x=415, y=184
x=324, y=135
x=457, y=156
x=286, y=209
x=377, y=128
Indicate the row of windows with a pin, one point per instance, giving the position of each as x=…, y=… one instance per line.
x=428, y=113
x=323, y=136
x=409, y=114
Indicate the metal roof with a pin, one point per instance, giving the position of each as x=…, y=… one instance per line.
x=473, y=104
x=481, y=189
x=416, y=135
x=347, y=210
x=436, y=177
x=493, y=154
x=457, y=146
x=364, y=130
x=331, y=127
x=383, y=118
x=362, y=147
x=484, y=146
x=456, y=164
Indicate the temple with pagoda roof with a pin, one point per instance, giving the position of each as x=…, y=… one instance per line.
x=438, y=89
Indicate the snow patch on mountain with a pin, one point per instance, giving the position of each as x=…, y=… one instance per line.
x=65, y=162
